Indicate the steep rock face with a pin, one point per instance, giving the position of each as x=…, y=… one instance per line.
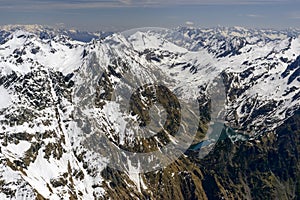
x=53, y=86
x=267, y=167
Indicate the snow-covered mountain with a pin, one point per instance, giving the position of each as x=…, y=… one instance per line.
x=48, y=32
x=259, y=68
x=63, y=117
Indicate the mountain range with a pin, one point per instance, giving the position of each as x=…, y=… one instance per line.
x=74, y=107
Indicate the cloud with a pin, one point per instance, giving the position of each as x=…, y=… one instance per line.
x=189, y=23
x=54, y=4
x=294, y=15
x=209, y=2
x=254, y=16
x=128, y=2
x=85, y=4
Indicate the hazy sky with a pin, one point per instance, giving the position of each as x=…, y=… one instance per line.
x=125, y=14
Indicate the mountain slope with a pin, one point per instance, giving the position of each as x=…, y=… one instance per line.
x=64, y=123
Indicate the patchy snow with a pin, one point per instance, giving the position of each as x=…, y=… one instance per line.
x=114, y=116
x=17, y=150
x=5, y=98
x=134, y=174
x=142, y=41
x=53, y=54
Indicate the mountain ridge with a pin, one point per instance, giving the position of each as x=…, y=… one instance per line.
x=48, y=79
